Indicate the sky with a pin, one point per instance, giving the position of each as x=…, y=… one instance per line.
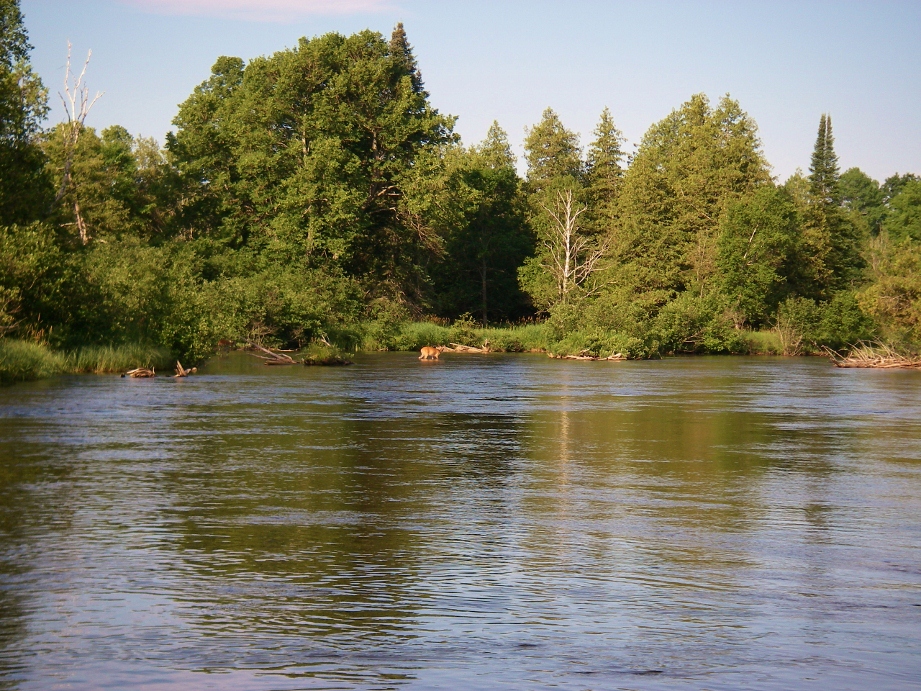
x=508, y=60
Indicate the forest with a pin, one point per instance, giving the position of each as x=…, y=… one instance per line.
x=317, y=196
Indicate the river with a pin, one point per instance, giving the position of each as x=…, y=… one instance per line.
x=484, y=522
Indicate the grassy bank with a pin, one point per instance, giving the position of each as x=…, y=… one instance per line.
x=543, y=337
x=26, y=361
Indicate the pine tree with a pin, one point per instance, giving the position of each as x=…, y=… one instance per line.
x=833, y=237
x=823, y=171
x=402, y=53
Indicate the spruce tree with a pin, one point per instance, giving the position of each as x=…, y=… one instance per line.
x=402, y=53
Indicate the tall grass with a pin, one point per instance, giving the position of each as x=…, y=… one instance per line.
x=25, y=361
x=110, y=359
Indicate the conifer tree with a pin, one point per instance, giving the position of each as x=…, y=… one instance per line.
x=823, y=171
x=552, y=152
x=831, y=237
x=402, y=53
x=604, y=167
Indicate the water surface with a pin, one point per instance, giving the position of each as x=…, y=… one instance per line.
x=507, y=522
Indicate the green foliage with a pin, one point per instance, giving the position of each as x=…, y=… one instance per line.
x=26, y=360
x=305, y=154
x=600, y=343
x=863, y=197
x=416, y=335
x=763, y=342
x=689, y=168
x=552, y=153
x=893, y=298
x=24, y=188
x=842, y=323
x=697, y=324
x=315, y=199
x=37, y=279
x=797, y=325
x=823, y=170
x=755, y=248
x=475, y=202
x=804, y=326
x=904, y=220
x=604, y=165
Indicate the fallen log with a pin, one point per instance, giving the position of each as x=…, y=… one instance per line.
x=141, y=373
x=461, y=348
x=274, y=358
x=587, y=356
x=182, y=371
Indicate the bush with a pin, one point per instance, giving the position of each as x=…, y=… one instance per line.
x=797, y=325
x=843, y=324
x=697, y=324
x=599, y=343
x=763, y=342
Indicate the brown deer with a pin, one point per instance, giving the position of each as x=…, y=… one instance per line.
x=431, y=353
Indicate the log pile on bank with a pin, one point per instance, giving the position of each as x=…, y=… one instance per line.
x=875, y=356
x=588, y=356
x=461, y=348
x=277, y=358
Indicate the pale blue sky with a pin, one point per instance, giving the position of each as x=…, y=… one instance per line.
x=786, y=62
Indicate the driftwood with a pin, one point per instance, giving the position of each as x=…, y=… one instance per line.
x=142, y=373
x=461, y=348
x=873, y=356
x=182, y=371
x=586, y=355
x=274, y=358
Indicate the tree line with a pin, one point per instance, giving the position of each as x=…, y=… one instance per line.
x=317, y=193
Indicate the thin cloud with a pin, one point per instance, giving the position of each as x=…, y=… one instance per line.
x=259, y=10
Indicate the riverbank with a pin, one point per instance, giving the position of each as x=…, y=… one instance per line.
x=544, y=338
x=26, y=361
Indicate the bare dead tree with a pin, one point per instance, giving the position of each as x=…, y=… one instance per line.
x=77, y=105
x=574, y=259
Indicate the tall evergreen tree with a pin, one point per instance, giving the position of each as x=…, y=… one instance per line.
x=24, y=189
x=604, y=173
x=402, y=53
x=823, y=171
x=605, y=159
x=552, y=153
x=832, y=238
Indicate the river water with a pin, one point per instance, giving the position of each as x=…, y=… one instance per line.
x=483, y=522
